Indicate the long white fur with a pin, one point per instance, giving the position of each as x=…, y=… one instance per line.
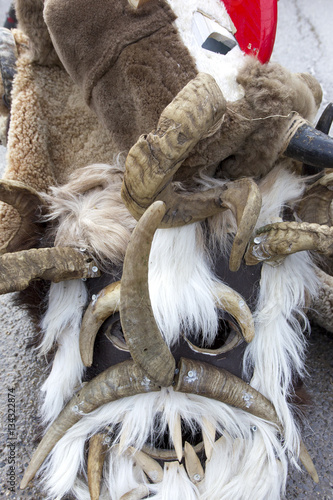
x=61, y=325
x=259, y=448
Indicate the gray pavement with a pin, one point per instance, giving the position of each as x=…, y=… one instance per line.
x=304, y=44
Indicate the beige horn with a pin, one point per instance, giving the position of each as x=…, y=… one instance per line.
x=317, y=202
x=142, y=335
x=96, y=458
x=26, y=201
x=19, y=269
x=152, y=162
x=284, y=238
x=100, y=308
x=117, y=382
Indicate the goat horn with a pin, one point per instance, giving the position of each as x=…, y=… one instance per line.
x=142, y=335
x=26, y=201
x=196, y=377
x=56, y=264
x=8, y=57
x=104, y=305
x=117, y=382
x=308, y=145
x=195, y=113
x=284, y=238
x=96, y=457
x=232, y=302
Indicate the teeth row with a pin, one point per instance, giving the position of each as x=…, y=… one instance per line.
x=208, y=435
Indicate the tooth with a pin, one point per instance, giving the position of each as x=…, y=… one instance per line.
x=208, y=435
x=173, y=465
x=141, y=491
x=123, y=439
x=96, y=456
x=306, y=460
x=176, y=435
x=150, y=466
x=193, y=466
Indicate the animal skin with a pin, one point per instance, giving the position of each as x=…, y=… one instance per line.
x=174, y=361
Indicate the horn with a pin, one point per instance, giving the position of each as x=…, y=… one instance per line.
x=194, y=114
x=96, y=457
x=142, y=335
x=8, y=57
x=308, y=145
x=26, y=201
x=117, y=382
x=196, y=377
x=284, y=238
x=104, y=305
x=317, y=202
x=56, y=264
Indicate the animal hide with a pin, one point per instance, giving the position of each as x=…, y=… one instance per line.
x=180, y=372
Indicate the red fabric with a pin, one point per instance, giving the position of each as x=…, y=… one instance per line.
x=255, y=21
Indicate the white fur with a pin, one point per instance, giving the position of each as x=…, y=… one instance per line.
x=61, y=324
x=224, y=68
x=228, y=474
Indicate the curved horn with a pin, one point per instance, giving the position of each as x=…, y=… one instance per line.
x=284, y=238
x=317, y=202
x=196, y=377
x=230, y=301
x=120, y=381
x=308, y=145
x=96, y=457
x=195, y=113
x=104, y=305
x=8, y=57
x=26, y=201
x=56, y=264
x=141, y=332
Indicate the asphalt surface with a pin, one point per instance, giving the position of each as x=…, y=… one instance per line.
x=303, y=44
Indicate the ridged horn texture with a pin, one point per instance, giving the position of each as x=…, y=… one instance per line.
x=284, y=238
x=244, y=200
x=200, y=378
x=18, y=269
x=8, y=57
x=26, y=201
x=309, y=145
x=153, y=161
x=96, y=458
x=141, y=332
x=117, y=382
x=234, y=304
x=104, y=305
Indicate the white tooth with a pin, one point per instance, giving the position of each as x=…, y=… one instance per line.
x=193, y=466
x=150, y=466
x=140, y=492
x=123, y=439
x=208, y=435
x=176, y=435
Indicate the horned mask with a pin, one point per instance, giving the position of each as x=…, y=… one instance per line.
x=161, y=208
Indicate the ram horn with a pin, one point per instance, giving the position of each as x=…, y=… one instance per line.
x=142, y=335
x=8, y=57
x=195, y=113
x=96, y=458
x=117, y=382
x=27, y=202
x=200, y=378
x=308, y=145
x=285, y=238
x=18, y=269
x=100, y=308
